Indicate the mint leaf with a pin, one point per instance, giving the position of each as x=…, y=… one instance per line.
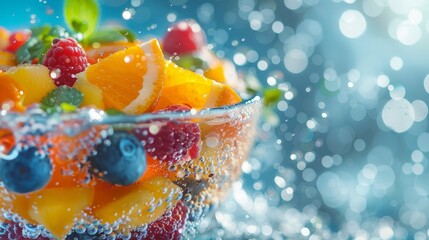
x=128, y=34
x=82, y=15
x=111, y=35
x=271, y=96
x=39, y=43
x=61, y=98
x=33, y=48
x=190, y=62
x=40, y=30
x=66, y=107
x=113, y=112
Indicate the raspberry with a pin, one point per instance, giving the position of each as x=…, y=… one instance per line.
x=173, y=140
x=65, y=59
x=184, y=37
x=168, y=226
x=13, y=230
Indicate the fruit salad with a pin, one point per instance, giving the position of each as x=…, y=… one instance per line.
x=121, y=138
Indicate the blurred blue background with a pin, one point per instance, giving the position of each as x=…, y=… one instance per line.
x=346, y=155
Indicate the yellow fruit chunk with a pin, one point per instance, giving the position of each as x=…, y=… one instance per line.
x=130, y=80
x=15, y=203
x=57, y=208
x=7, y=59
x=10, y=92
x=92, y=95
x=4, y=38
x=183, y=86
x=136, y=205
x=33, y=80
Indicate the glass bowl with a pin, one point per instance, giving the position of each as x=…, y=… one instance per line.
x=166, y=202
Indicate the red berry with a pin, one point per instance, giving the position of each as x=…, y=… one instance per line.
x=14, y=231
x=184, y=37
x=169, y=226
x=17, y=39
x=65, y=59
x=173, y=140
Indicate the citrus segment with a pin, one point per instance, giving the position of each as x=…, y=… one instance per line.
x=57, y=208
x=156, y=168
x=9, y=91
x=183, y=86
x=216, y=73
x=221, y=95
x=96, y=52
x=7, y=140
x=33, y=80
x=68, y=154
x=130, y=80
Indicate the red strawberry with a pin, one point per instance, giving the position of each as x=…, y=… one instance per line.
x=174, y=140
x=17, y=39
x=65, y=59
x=184, y=37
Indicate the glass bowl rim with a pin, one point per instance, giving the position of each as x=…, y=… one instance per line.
x=95, y=116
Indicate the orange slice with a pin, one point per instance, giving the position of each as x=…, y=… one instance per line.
x=33, y=80
x=68, y=154
x=7, y=140
x=9, y=92
x=96, y=52
x=129, y=80
x=183, y=86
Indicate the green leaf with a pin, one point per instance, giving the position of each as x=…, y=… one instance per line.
x=128, y=34
x=40, y=30
x=57, y=32
x=113, y=112
x=61, y=98
x=66, y=107
x=39, y=43
x=271, y=96
x=111, y=35
x=82, y=15
x=190, y=62
x=32, y=49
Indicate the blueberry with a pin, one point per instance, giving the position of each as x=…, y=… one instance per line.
x=120, y=159
x=28, y=172
x=83, y=236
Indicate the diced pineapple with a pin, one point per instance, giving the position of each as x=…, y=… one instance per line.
x=92, y=95
x=34, y=81
x=138, y=204
x=16, y=204
x=56, y=208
